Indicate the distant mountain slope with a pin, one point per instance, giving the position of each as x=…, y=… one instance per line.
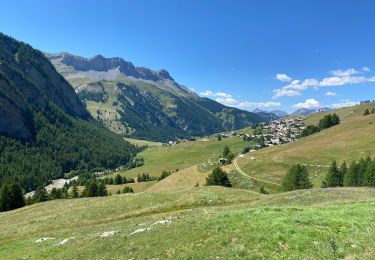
x=45, y=130
x=267, y=116
x=279, y=113
x=142, y=103
x=303, y=111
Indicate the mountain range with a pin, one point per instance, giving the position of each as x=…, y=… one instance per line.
x=143, y=103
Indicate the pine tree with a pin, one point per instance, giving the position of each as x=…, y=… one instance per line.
x=117, y=180
x=369, y=175
x=75, y=193
x=102, y=190
x=367, y=112
x=40, y=194
x=373, y=110
x=226, y=151
x=353, y=177
x=296, y=178
x=218, y=177
x=5, y=195
x=334, y=177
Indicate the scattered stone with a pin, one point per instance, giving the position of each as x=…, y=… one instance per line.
x=43, y=239
x=140, y=230
x=65, y=240
x=108, y=233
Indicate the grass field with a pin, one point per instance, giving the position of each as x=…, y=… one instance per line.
x=184, y=155
x=140, y=142
x=345, y=113
x=348, y=141
x=196, y=223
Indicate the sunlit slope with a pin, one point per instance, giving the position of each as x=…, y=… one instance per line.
x=203, y=153
x=345, y=113
x=204, y=222
x=348, y=141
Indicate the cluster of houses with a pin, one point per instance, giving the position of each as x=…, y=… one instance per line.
x=275, y=132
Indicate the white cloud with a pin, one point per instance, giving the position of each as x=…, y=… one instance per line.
x=209, y=93
x=228, y=101
x=339, y=81
x=259, y=104
x=309, y=103
x=339, y=78
x=329, y=93
x=343, y=73
x=224, y=95
x=343, y=104
x=366, y=69
x=283, y=77
x=285, y=93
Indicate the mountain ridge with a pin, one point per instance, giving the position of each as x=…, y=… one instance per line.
x=144, y=103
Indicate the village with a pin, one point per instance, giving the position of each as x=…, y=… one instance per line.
x=275, y=132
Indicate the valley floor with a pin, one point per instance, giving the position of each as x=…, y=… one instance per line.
x=196, y=223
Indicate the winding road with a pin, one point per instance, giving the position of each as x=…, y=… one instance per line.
x=238, y=169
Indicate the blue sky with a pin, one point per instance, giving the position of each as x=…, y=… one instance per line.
x=269, y=54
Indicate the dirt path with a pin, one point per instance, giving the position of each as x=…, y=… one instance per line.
x=238, y=169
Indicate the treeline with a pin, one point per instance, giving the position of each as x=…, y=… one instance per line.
x=367, y=112
x=326, y=122
x=360, y=173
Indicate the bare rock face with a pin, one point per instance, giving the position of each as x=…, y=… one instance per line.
x=29, y=82
x=99, y=64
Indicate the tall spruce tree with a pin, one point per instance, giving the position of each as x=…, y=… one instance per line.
x=40, y=194
x=335, y=176
x=218, y=177
x=75, y=193
x=296, y=178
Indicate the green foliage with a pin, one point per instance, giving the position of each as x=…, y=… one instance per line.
x=309, y=130
x=263, y=190
x=296, y=178
x=373, y=110
x=11, y=197
x=95, y=188
x=226, y=151
x=145, y=177
x=40, y=194
x=127, y=189
x=75, y=193
x=163, y=175
x=361, y=173
x=328, y=121
x=335, y=175
x=218, y=177
x=367, y=112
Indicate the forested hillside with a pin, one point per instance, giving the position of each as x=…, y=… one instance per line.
x=45, y=131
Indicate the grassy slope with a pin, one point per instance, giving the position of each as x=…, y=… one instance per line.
x=348, y=141
x=184, y=155
x=345, y=113
x=207, y=222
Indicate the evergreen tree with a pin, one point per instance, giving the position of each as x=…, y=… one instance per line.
x=102, y=190
x=373, y=110
x=17, y=199
x=296, y=178
x=91, y=189
x=75, y=193
x=367, y=112
x=369, y=175
x=40, y=194
x=353, y=177
x=5, y=195
x=218, y=177
x=127, y=189
x=55, y=194
x=226, y=151
x=334, y=177
x=117, y=180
